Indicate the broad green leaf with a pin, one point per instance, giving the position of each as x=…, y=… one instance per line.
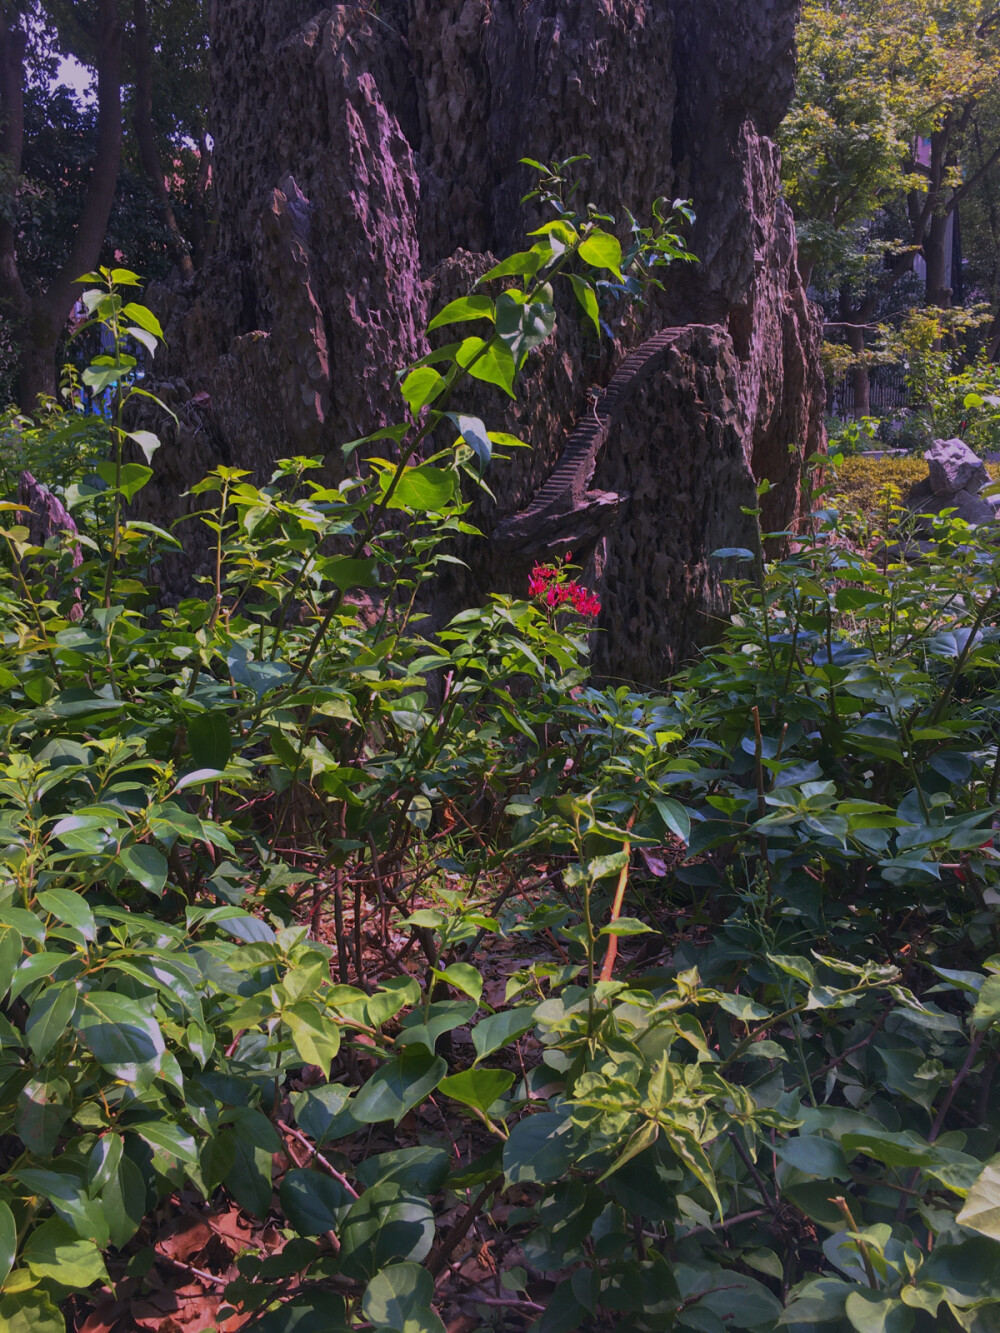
x=54, y=1252
x=491, y=362
x=144, y=317
x=475, y=435
x=316, y=1109
x=675, y=818
x=539, y=1150
x=414, y=1170
x=123, y=1200
x=145, y=864
x=130, y=480
x=871, y=1312
x=316, y=1037
x=421, y=387
x=399, y=1297
x=987, y=1010
x=49, y=1018
x=68, y=1196
x=462, y=310
x=65, y=905
x=384, y=1226
x=347, y=573
x=30, y=1312
x=145, y=439
x=478, y=1088
x=313, y=1202
x=210, y=740
x=524, y=264
x=981, y=1211
x=423, y=489
x=587, y=298
x=464, y=977
x=399, y=1085
x=11, y=948
x=121, y=1035
x=43, y=1107
x=815, y=1155
x=8, y=1241
x=601, y=250
x=499, y=1030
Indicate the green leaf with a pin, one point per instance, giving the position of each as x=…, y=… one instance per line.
x=49, y=1018
x=461, y=311
x=313, y=1202
x=123, y=1200
x=870, y=1312
x=464, y=977
x=318, y=1312
x=120, y=1034
x=384, y=1226
x=987, y=1010
x=8, y=1241
x=210, y=740
x=524, y=264
x=347, y=573
x=316, y=1109
x=501, y=1029
x=421, y=387
x=399, y=1085
x=493, y=362
x=475, y=435
x=130, y=481
x=65, y=905
x=815, y=1155
x=627, y=925
x=478, y=1088
x=147, y=442
x=539, y=1150
x=249, y=1177
x=43, y=1107
x=414, y=1170
x=11, y=948
x=55, y=1253
x=587, y=298
x=524, y=327
x=675, y=818
x=981, y=1211
x=601, y=250
x=424, y=489
x=145, y=864
x=144, y=317
x=316, y=1037
x=102, y=1165
x=30, y=1312
x=399, y=1297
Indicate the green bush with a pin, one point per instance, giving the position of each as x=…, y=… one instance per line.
x=776, y=1108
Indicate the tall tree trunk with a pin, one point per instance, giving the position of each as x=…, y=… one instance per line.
x=938, y=257
x=860, y=375
x=366, y=170
x=145, y=135
x=41, y=318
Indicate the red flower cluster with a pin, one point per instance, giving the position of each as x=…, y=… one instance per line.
x=548, y=583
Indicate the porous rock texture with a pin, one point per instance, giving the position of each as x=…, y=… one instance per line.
x=367, y=169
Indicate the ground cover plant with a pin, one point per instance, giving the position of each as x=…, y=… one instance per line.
x=359, y=977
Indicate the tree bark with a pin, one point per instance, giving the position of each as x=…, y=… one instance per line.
x=366, y=171
x=937, y=257
x=149, y=153
x=40, y=319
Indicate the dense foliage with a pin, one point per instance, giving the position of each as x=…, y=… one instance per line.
x=313, y=917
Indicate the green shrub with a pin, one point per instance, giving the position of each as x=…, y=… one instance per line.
x=783, y=1114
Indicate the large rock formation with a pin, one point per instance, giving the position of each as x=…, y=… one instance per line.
x=368, y=168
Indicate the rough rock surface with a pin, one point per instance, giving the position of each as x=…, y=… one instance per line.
x=367, y=165
x=955, y=477
x=954, y=467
